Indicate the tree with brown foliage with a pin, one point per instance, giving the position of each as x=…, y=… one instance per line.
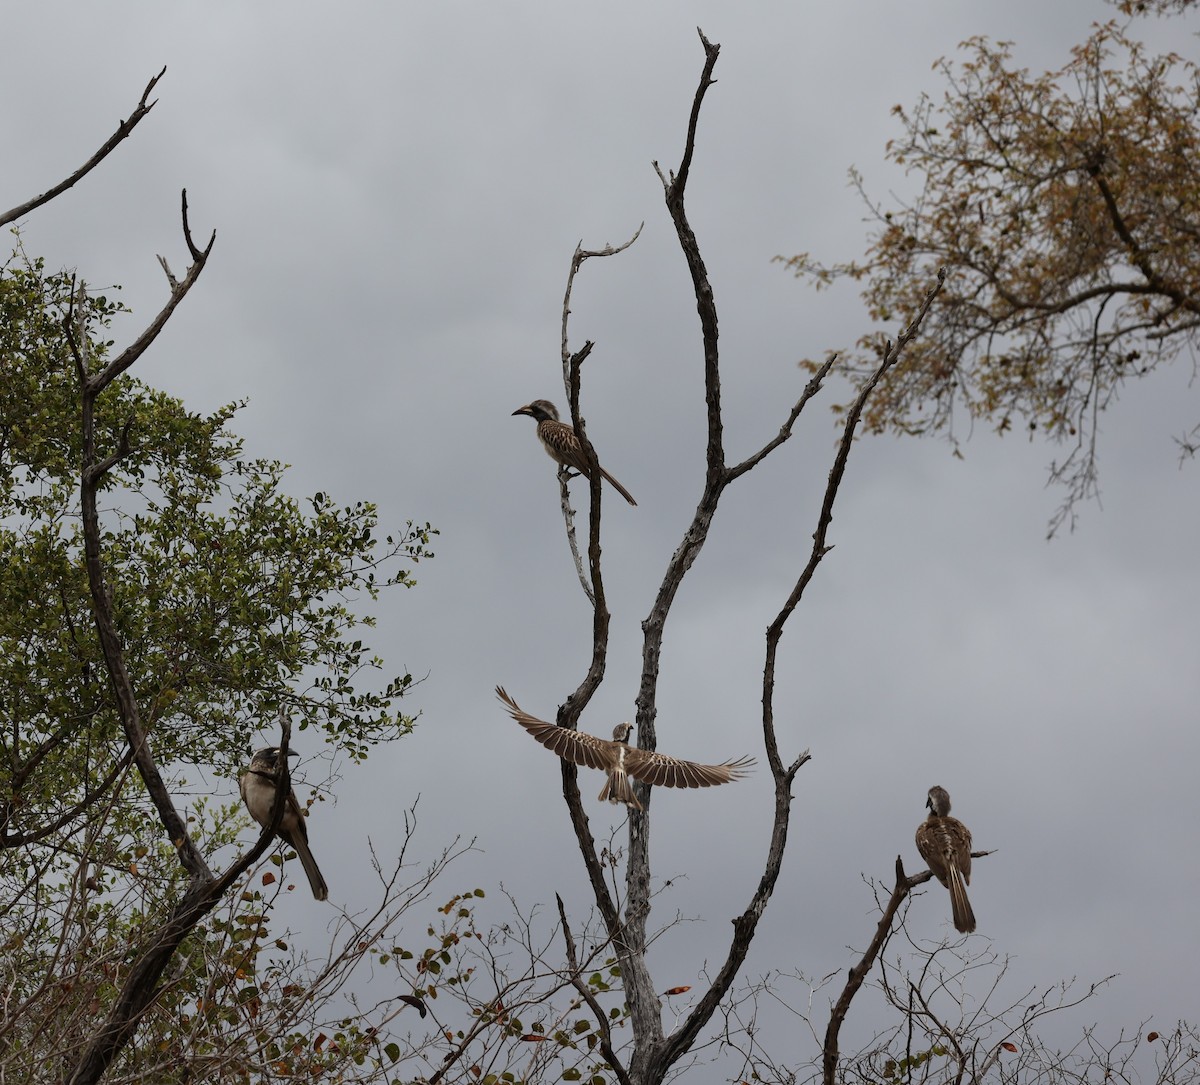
x=1065, y=207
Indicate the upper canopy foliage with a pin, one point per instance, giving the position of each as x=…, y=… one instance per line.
x=233, y=601
x=1066, y=207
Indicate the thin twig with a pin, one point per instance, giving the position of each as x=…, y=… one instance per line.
x=859, y=971
x=564, y=476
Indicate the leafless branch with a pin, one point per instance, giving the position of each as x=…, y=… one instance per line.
x=674, y=191
x=606, y=1048
x=593, y=586
x=654, y=1054
x=179, y=290
x=123, y=129
x=745, y=925
x=785, y=431
x=862, y=967
x=568, y=511
x=571, y=363
x=578, y=257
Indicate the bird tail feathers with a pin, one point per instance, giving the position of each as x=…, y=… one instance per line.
x=964, y=917
x=320, y=890
x=618, y=487
x=619, y=788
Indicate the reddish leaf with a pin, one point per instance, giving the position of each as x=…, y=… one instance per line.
x=676, y=990
x=533, y=1037
x=1009, y=1047
x=1151, y=1037
x=268, y=878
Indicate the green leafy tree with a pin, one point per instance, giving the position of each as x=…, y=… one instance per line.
x=1066, y=208
x=162, y=602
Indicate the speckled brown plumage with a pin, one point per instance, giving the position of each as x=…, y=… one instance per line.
x=945, y=844
x=620, y=760
x=561, y=444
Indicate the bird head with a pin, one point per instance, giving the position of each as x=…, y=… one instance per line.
x=268, y=757
x=938, y=801
x=539, y=410
x=621, y=732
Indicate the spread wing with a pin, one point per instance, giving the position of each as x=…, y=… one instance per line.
x=663, y=771
x=576, y=746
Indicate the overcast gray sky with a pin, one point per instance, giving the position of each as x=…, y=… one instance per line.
x=397, y=190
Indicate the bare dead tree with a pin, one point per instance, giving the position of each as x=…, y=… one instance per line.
x=654, y=1051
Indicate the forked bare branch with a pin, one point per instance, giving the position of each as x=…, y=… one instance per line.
x=653, y=1053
